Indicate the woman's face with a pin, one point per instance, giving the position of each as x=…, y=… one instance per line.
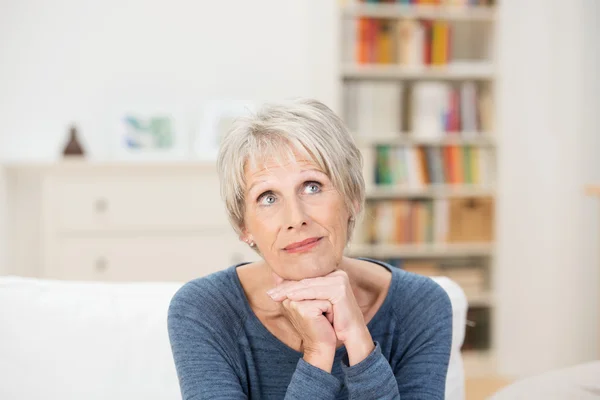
x=296, y=217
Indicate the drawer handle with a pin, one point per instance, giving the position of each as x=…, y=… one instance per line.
x=101, y=264
x=101, y=205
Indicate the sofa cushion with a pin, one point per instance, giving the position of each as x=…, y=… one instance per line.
x=67, y=340
x=581, y=382
x=90, y=340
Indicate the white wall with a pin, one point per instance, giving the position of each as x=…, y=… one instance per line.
x=547, y=270
x=83, y=61
x=3, y=222
x=74, y=60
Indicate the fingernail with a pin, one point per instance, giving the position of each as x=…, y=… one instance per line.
x=272, y=292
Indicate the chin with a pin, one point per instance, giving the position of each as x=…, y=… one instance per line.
x=311, y=267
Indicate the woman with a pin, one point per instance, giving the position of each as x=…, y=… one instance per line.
x=305, y=322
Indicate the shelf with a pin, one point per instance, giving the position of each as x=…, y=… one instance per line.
x=421, y=250
x=407, y=139
x=438, y=191
x=456, y=71
x=85, y=165
x=479, y=363
x=480, y=300
x=452, y=13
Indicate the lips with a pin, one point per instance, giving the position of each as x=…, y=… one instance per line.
x=302, y=243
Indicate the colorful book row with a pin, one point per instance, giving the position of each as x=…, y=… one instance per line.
x=428, y=109
x=433, y=2
x=400, y=222
x=403, y=41
x=422, y=221
x=416, y=166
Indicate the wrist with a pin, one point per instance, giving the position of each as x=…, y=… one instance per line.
x=320, y=357
x=359, y=345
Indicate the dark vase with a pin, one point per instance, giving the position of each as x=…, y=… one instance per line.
x=73, y=147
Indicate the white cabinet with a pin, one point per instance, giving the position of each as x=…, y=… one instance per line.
x=130, y=202
x=125, y=222
x=149, y=258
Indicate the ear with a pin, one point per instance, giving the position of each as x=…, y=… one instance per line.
x=245, y=236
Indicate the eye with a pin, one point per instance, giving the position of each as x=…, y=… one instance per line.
x=313, y=187
x=266, y=198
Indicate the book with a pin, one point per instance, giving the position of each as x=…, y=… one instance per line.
x=374, y=108
x=410, y=37
x=418, y=166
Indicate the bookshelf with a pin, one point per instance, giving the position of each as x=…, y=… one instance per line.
x=449, y=73
x=405, y=139
x=430, y=191
x=418, y=94
x=422, y=250
x=425, y=11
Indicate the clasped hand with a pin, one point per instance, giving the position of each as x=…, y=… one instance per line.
x=324, y=310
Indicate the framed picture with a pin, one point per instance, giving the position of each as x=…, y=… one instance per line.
x=217, y=118
x=152, y=135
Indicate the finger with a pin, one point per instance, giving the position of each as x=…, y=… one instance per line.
x=285, y=285
x=330, y=293
x=329, y=315
x=312, y=308
x=333, y=279
x=279, y=292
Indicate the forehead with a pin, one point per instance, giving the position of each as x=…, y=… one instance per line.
x=279, y=154
x=269, y=165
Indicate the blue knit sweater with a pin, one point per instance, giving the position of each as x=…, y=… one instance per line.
x=223, y=351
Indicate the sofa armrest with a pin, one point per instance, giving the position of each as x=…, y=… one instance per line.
x=455, y=381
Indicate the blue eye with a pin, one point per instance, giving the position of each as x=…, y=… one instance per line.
x=313, y=187
x=268, y=196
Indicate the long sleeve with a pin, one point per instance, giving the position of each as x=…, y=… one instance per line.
x=310, y=382
x=372, y=378
x=418, y=370
x=213, y=359
x=422, y=369
x=203, y=367
x=206, y=372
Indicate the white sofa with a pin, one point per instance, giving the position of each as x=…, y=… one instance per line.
x=88, y=340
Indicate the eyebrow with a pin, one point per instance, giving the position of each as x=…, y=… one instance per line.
x=265, y=181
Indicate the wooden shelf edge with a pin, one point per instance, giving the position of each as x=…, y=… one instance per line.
x=479, y=363
x=422, y=250
x=446, y=12
x=446, y=139
x=452, y=71
x=483, y=299
x=384, y=192
x=592, y=190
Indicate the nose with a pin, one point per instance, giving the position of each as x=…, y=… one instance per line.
x=295, y=216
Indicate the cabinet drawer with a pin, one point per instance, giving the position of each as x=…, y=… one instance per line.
x=145, y=258
x=135, y=203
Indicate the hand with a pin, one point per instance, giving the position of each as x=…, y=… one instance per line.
x=312, y=321
x=348, y=320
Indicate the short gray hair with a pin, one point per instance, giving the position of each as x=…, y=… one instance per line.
x=277, y=130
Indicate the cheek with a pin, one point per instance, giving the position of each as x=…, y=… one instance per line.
x=332, y=216
x=262, y=221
